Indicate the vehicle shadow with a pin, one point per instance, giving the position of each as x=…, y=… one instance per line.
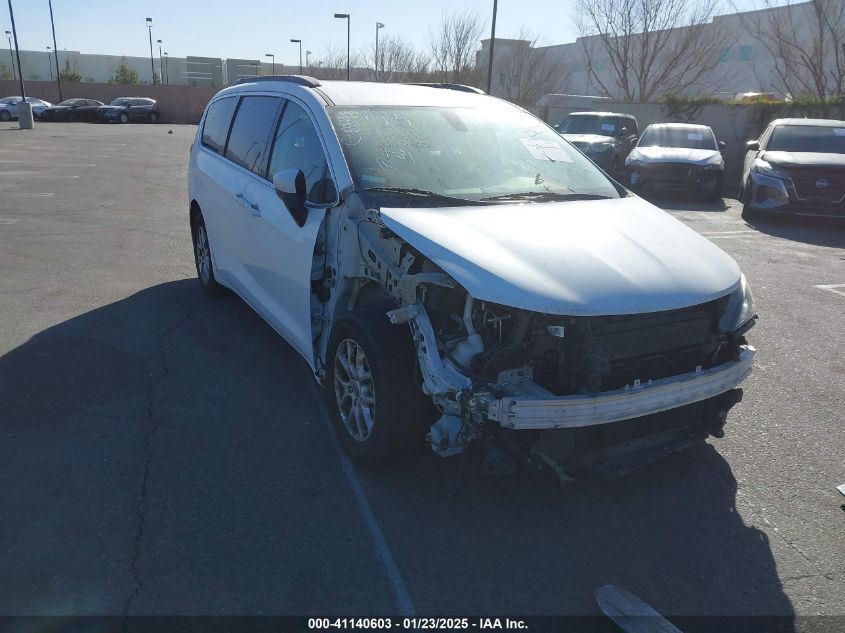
x=684, y=202
x=816, y=231
x=245, y=508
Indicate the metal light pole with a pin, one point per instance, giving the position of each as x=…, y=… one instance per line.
x=17, y=51
x=11, y=55
x=492, y=42
x=166, y=72
x=274, y=60
x=160, y=64
x=343, y=16
x=152, y=63
x=56, y=50
x=308, y=59
x=50, y=62
x=379, y=25
x=300, y=53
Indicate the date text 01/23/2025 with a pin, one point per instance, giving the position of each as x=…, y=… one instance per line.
x=416, y=623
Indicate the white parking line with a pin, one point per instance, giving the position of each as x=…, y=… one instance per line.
x=708, y=233
x=400, y=592
x=838, y=289
x=22, y=194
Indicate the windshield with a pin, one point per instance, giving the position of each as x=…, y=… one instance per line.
x=807, y=138
x=589, y=124
x=467, y=154
x=123, y=101
x=686, y=137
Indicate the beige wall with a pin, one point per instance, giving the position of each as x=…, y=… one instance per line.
x=178, y=104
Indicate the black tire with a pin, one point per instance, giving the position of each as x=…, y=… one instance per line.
x=124, y=118
x=153, y=117
x=5, y=116
x=202, y=247
x=748, y=212
x=399, y=410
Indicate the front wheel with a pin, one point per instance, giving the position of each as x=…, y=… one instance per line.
x=378, y=411
x=124, y=118
x=748, y=211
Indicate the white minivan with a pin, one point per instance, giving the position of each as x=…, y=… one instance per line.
x=453, y=270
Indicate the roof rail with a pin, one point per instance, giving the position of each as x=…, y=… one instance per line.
x=302, y=80
x=448, y=86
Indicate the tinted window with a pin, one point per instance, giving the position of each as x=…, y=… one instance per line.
x=121, y=102
x=216, y=126
x=807, y=138
x=690, y=137
x=297, y=146
x=251, y=131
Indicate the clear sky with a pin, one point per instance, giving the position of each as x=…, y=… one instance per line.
x=250, y=28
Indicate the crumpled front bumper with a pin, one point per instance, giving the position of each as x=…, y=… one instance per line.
x=559, y=412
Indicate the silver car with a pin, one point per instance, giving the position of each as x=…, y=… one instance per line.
x=9, y=107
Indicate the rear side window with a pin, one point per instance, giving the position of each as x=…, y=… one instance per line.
x=251, y=132
x=216, y=126
x=297, y=146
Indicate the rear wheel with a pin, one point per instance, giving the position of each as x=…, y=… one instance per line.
x=5, y=116
x=124, y=118
x=378, y=410
x=202, y=257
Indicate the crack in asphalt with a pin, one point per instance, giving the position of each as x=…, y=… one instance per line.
x=140, y=507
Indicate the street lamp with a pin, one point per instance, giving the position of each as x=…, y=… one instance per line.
x=160, y=62
x=379, y=25
x=56, y=51
x=492, y=42
x=300, y=53
x=24, y=111
x=11, y=55
x=308, y=59
x=274, y=60
x=166, y=72
x=345, y=16
x=152, y=63
x=50, y=62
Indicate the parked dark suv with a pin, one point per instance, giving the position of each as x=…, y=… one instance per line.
x=797, y=167
x=126, y=109
x=605, y=137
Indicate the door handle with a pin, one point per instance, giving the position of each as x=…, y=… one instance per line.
x=248, y=205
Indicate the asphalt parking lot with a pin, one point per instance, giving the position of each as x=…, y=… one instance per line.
x=163, y=452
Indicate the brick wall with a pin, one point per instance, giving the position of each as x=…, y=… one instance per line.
x=178, y=104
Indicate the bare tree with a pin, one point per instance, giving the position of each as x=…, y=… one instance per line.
x=640, y=50
x=806, y=42
x=399, y=61
x=332, y=65
x=453, y=44
x=524, y=73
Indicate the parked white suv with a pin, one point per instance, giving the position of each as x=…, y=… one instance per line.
x=423, y=246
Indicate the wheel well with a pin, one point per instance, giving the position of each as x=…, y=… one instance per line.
x=372, y=295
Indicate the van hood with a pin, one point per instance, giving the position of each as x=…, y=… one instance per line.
x=675, y=155
x=799, y=159
x=579, y=258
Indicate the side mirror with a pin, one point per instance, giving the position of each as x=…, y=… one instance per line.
x=623, y=132
x=290, y=187
x=752, y=146
x=721, y=144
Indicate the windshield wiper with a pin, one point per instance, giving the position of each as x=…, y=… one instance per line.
x=423, y=193
x=547, y=195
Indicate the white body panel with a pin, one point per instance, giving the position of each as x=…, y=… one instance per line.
x=597, y=257
x=674, y=155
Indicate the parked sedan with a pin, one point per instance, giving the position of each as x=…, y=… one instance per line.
x=126, y=109
x=9, y=107
x=677, y=157
x=797, y=166
x=605, y=137
x=72, y=110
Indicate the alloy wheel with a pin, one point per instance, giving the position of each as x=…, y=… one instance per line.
x=354, y=390
x=202, y=254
